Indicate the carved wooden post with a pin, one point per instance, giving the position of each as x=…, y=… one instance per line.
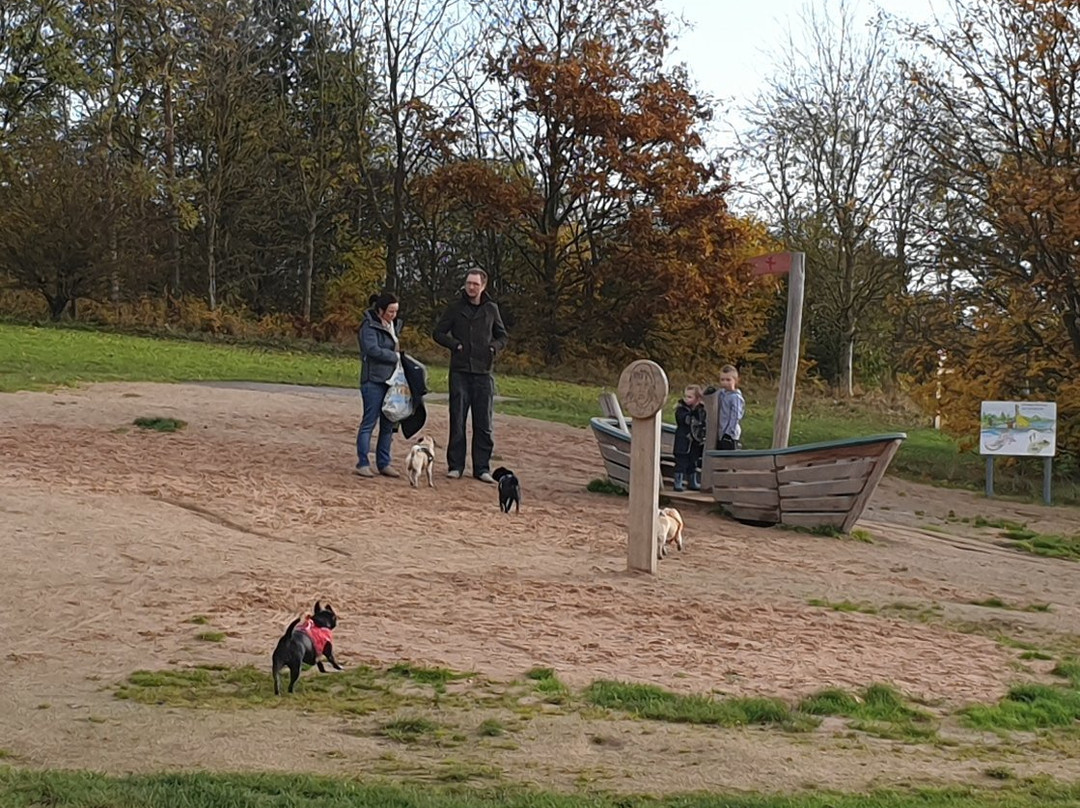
x=643, y=390
x=781, y=263
x=789, y=363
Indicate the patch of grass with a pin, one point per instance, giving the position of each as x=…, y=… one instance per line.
x=843, y=606
x=998, y=603
x=831, y=701
x=1050, y=546
x=354, y=691
x=491, y=728
x=25, y=788
x=1027, y=707
x=548, y=684
x=599, y=486
x=878, y=710
x=828, y=531
x=862, y=535
x=1002, y=524
x=1000, y=773
x=1035, y=655
x=1018, y=532
x=990, y=603
x=199, y=620
x=1068, y=669
x=459, y=771
x=436, y=677
x=211, y=636
x=650, y=701
x=43, y=358
x=160, y=424
x=410, y=729
x=900, y=606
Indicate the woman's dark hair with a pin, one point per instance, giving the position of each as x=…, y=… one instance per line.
x=381, y=301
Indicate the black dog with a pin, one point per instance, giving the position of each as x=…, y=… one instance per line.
x=509, y=489
x=307, y=642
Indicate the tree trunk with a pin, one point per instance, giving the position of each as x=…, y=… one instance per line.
x=397, y=219
x=309, y=263
x=169, y=157
x=849, y=366
x=58, y=304
x=116, y=67
x=550, y=309
x=211, y=260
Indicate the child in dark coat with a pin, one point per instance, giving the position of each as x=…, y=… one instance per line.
x=689, y=438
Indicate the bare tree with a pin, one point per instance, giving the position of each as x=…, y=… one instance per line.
x=417, y=52
x=828, y=136
x=220, y=101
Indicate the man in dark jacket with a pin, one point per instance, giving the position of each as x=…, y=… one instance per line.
x=472, y=330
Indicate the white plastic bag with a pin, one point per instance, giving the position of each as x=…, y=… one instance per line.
x=397, y=403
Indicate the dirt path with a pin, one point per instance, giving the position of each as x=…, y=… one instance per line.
x=114, y=538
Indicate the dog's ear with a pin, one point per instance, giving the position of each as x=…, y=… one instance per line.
x=318, y=608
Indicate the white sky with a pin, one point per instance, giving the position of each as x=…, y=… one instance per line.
x=728, y=50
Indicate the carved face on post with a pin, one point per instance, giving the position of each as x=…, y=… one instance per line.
x=643, y=388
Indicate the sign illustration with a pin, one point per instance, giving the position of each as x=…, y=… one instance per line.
x=1018, y=428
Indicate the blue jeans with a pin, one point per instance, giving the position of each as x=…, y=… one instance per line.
x=372, y=394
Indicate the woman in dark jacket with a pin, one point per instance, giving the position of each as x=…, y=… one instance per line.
x=379, y=350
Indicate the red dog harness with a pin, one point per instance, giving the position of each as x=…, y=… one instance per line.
x=319, y=636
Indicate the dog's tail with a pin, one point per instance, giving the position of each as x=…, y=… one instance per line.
x=292, y=625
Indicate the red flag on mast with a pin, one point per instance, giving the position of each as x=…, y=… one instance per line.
x=778, y=263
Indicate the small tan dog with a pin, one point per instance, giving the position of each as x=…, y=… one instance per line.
x=669, y=528
x=421, y=461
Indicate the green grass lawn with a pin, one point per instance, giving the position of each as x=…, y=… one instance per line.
x=60, y=789
x=33, y=358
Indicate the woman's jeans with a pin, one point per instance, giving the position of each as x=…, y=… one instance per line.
x=372, y=394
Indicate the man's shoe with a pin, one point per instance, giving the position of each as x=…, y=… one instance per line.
x=454, y=474
x=363, y=471
x=485, y=477
x=389, y=471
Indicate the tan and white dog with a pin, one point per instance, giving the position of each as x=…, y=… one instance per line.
x=421, y=461
x=669, y=528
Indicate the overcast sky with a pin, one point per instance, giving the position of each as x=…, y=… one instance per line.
x=731, y=48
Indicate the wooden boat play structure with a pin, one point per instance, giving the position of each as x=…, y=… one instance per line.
x=812, y=485
x=824, y=484
x=613, y=437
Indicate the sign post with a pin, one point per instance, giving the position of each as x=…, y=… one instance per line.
x=1019, y=429
x=793, y=264
x=643, y=390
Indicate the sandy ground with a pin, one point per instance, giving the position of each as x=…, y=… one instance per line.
x=114, y=537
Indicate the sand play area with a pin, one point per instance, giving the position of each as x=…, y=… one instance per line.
x=114, y=537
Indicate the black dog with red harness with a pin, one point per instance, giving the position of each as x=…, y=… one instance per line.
x=307, y=642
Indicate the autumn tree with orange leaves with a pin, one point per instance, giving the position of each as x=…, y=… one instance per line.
x=1005, y=311
x=615, y=225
